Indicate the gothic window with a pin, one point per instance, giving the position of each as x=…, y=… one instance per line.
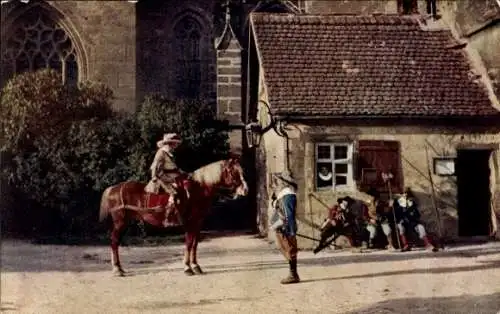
x=37, y=42
x=188, y=33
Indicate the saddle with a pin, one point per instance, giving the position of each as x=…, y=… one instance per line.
x=160, y=200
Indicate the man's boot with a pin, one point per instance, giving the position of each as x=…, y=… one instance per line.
x=370, y=243
x=293, y=277
x=428, y=244
x=390, y=246
x=318, y=248
x=404, y=243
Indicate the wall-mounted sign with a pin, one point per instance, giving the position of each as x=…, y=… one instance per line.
x=444, y=166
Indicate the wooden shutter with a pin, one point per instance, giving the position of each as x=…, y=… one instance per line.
x=378, y=157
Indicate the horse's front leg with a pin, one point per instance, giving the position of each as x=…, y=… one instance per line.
x=116, y=236
x=189, y=242
x=194, y=250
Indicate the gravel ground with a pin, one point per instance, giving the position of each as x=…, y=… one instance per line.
x=242, y=275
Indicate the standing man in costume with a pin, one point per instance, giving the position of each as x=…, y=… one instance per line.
x=164, y=170
x=284, y=222
x=408, y=218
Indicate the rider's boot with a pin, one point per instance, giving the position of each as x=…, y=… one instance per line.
x=170, y=209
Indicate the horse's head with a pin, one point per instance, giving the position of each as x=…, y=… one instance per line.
x=232, y=177
x=224, y=174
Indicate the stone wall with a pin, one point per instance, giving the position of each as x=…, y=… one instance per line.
x=161, y=65
x=107, y=33
x=439, y=141
x=229, y=82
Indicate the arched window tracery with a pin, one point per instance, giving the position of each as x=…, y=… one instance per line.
x=188, y=34
x=36, y=42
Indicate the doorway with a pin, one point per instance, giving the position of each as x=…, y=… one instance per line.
x=473, y=192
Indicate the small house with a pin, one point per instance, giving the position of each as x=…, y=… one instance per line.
x=341, y=100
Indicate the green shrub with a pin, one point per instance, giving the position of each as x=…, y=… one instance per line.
x=69, y=171
x=61, y=145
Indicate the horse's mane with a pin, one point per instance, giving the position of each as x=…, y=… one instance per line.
x=209, y=174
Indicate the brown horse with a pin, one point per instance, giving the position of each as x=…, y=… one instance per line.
x=127, y=201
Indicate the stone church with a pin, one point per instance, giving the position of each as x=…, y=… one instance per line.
x=200, y=48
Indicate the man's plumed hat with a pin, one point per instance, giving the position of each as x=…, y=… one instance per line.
x=288, y=178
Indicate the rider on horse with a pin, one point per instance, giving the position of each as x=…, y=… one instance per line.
x=164, y=171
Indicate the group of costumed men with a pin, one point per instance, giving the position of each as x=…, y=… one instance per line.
x=360, y=220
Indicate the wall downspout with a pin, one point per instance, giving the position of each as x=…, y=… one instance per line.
x=494, y=173
x=279, y=128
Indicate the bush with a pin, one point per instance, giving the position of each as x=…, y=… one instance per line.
x=61, y=145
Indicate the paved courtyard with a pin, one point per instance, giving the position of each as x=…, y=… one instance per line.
x=242, y=276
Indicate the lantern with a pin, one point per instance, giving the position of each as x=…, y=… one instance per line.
x=253, y=133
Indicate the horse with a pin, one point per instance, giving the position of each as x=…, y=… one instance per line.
x=127, y=201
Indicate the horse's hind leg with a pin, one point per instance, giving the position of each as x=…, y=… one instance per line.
x=116, y=235
x=189, y=242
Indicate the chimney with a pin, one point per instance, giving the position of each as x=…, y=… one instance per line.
x=407, y=7
x=431, y=8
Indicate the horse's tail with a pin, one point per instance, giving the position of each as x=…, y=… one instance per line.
x=104, y=211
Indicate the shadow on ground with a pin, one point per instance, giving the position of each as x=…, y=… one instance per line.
x=246, y=267
x=7, y=307
x=171, y=305
x=466, y=304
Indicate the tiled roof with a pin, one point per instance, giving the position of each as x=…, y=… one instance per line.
x=336, y=65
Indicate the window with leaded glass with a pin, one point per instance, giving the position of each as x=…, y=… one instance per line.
x=188, y=33
x=36, y=42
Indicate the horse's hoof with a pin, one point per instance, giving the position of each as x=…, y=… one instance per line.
x=189, y=272
x=197, y=270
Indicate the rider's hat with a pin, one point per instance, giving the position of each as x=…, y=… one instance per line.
x=169, y=138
